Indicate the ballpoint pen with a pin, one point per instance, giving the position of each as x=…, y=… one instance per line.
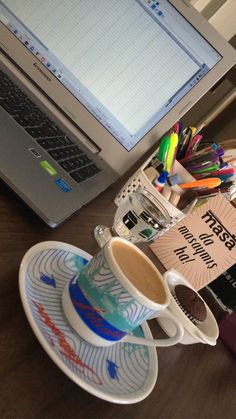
x=206, y=169
x=199, y=166
x=201, y=158
x=212, y=147
x=220, y=172
x=193, y=130
x=225, y=177
x=175, y=128
x=193, y=145
x=213, y=191
x=184, y=140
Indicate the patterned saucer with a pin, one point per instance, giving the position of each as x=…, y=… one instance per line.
x=122, y=373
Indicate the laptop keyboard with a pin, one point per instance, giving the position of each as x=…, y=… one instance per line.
x=56, y=143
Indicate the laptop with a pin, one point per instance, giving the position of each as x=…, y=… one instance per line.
x=88, y=87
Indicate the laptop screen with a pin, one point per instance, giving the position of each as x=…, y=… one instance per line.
x=129, y=62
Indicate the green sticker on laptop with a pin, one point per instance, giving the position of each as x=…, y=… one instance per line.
x=47, y=166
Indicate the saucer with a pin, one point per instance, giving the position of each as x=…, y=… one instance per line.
x=122, y=373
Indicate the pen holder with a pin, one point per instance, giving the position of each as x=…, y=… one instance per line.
x=139, y=179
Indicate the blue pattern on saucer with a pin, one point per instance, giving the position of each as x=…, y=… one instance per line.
x=121, y=373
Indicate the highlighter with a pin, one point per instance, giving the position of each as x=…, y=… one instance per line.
x=212, y=182
x=163, y=149
x=169, y=161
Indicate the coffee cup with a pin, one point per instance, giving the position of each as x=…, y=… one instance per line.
x=206, y=332
x=116, y=292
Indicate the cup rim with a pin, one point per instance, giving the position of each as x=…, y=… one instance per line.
x=117, y=271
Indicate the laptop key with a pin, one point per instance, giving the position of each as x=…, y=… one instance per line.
x=65, y=164
x=48, y=143
x=43, y=131
x=90, y=170
x=84, y=173
x=78, y=176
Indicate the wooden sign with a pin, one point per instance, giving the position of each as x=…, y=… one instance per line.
x=201, y=246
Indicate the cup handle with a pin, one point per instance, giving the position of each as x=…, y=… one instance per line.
x=159, y=342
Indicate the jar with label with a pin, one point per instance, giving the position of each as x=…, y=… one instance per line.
x=139, y=217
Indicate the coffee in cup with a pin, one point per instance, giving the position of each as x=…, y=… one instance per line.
x=116, y=292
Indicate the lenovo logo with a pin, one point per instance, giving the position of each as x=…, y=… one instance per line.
x=42, y=72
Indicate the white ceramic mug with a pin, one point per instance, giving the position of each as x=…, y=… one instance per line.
x=206, y=332
x=111, y=296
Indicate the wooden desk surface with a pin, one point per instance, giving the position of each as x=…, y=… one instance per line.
x=195, y=381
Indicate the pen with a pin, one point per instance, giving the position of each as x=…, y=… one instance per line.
x=226, y=184
x=211, y=192
x=203, y=183
x=185, y=138
x=209, y=155
x=201, y=152
x=193, y=130
x=175, y=128
x=193, y=144
x=206, y=169
x=202, y=164
x=221, y=172
x=180, y=128
x=218, y=152
x=225, y=177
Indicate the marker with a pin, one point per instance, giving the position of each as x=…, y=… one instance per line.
x=203, y=183
x=169, y=161
x=163, y=149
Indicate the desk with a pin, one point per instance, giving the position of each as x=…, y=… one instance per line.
x=195, y=381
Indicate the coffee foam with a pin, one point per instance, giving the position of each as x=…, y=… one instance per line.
x=140, y=272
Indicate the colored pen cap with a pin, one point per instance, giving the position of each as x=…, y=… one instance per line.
x=220, y=152
x=162, y=178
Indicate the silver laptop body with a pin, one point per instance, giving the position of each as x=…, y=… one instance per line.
x=86, y=91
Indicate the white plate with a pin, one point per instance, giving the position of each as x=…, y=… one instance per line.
x=122, y=373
